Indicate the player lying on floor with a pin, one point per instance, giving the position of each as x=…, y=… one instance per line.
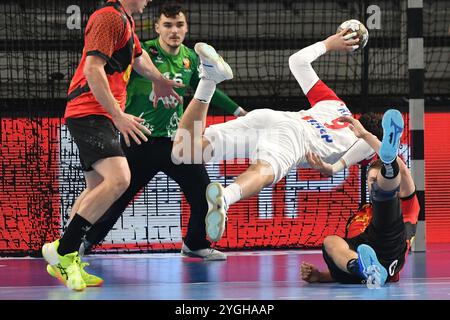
x=379, y=235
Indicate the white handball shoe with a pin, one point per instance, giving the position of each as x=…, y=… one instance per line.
x=212, y=65
x=207, y=254
x=217, y=211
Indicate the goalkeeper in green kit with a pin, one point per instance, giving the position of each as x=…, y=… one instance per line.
x=177, y=62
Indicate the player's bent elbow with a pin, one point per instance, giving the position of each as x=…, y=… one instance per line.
x=297, y=60
x=90, y=71
x=93, y=65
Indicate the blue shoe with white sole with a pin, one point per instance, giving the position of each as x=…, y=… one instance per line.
x=217, y=211
x=371, y=269
x=393, y=126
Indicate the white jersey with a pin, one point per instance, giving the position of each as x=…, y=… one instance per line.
x=321, y=131
x=324, y=134
x=283, y=138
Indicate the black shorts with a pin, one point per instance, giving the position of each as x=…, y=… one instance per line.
x=386, y=234
x=336, y=273
x=96, y=138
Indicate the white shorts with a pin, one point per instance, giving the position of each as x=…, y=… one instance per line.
x=264, y=134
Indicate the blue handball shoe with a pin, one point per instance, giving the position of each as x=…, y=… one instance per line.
x=371, y=269
x=392, y=132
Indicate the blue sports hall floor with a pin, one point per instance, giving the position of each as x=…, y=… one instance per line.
x=256, y=275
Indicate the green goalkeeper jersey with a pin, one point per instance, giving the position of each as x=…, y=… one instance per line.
x=182, y=68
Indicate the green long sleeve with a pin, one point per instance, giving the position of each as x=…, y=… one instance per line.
x=221, y=100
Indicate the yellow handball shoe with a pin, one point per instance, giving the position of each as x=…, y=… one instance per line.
x=65, y=268
x=91, y=280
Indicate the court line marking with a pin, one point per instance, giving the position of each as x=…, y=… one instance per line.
x=414, y=283
x=33, y=287
x=226, y=284
x=178, y=255
x=159, y=284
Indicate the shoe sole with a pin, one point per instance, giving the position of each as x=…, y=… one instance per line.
x=189, y=254
x=215, y=259
x=209, y=53
x=215, y=218
x=55, y=274
x=366, y=258
x=393, y=126
x=51, y=272
x=193, y=255
x=51, y=256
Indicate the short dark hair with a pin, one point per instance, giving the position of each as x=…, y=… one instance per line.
x=170, y=10
x=375, y=164
x=372, y=122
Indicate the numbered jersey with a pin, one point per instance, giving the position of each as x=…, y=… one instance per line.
x=182, y=68
x=325, y=135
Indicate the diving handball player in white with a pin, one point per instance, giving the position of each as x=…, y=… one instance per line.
x=274, y=141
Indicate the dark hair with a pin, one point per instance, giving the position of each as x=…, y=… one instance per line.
x=375, y=164
x=170, y=10
x=372, y=122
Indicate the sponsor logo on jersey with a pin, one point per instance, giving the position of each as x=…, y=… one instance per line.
x=146, y=124
x=159, y=60
x=153, y=51
x=127, y=73
x=322, y=131
x=343, y=110
x=187, y=63
x=172, y=126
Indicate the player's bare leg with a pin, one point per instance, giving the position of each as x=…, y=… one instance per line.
x=253, y=180
x=338, y=250
x=258, y=176
x=92, y=179
x=116, y=178
x=213, y=70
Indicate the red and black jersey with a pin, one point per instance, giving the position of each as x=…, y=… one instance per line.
x=110, y=35
x=358, y=222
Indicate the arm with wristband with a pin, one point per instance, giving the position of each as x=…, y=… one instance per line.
x=358, y=152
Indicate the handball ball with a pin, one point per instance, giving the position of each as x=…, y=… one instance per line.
x=359, y=28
